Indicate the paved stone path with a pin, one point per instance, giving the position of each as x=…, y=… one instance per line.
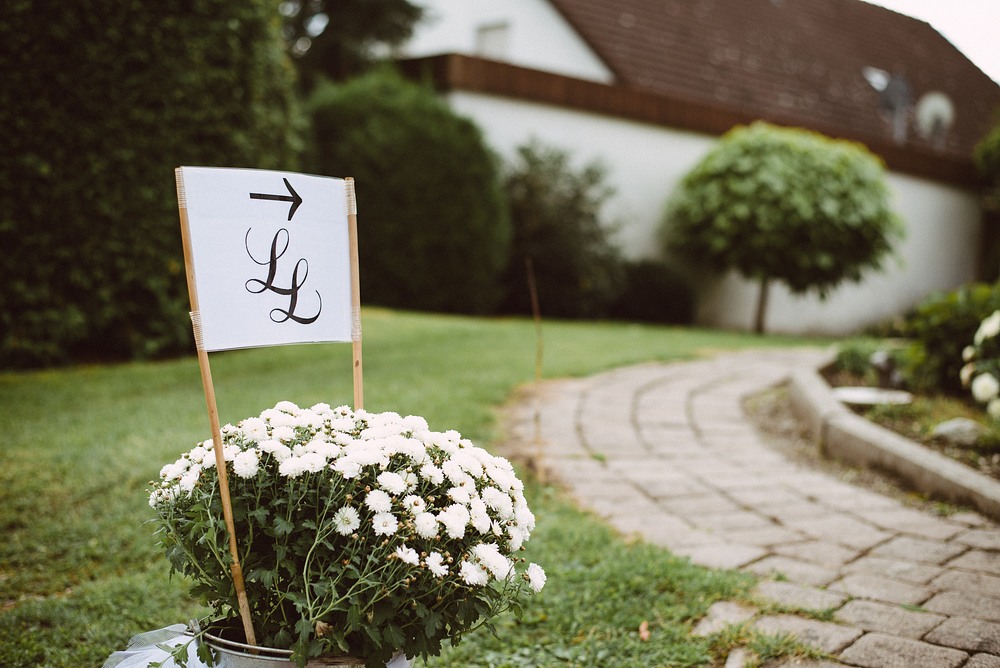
x=665, y=451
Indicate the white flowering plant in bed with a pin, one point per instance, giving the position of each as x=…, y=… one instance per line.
x=981, y=373
x=359, y=533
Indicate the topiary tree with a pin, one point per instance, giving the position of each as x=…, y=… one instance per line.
x=432, y=226
x=556, y=214
x=784, y=204
x=98, y=107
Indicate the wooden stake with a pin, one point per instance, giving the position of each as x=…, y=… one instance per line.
x=352, y=226
x=213, y=418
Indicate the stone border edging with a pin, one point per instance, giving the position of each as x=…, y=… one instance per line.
x=843, y=435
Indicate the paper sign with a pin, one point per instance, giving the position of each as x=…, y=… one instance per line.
x=270, y=253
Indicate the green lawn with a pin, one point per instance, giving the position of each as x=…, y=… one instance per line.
x=79, y=572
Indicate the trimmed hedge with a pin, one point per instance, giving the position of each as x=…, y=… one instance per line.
x=433, y=231
x=101, y=101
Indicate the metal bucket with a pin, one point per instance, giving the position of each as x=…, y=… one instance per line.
x=232, y=654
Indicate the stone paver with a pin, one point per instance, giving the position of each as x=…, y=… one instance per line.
x=878, y=650
x=665, y=453
x=887, y=618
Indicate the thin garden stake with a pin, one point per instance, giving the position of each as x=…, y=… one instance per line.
x=213, y=417
x=352, y=227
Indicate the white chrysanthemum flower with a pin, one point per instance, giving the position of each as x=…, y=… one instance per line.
x=286, y=406
x=473, y=574
x=460, y=494
x=385, y=524
x=408, y=555
x=391, y=482
x=504, y=478
x=436, y=565
x=456, y=474
x=468, y=462
x=454, y=519
x=253, y=429
x=432, y=473
x=413, y=449
x=515, y=540
x=985, y=387
x=230, y=451
x=189, y=480
x=308, y=419
x=199, y=453
x=292, y=467
x=524, y=517
x=321, y=409
x=426, y=525
x=347, y=467
x=479, y=516
x=415, y=504
x=276, y=449
x=173, y=471
x=378, y=501
x=488, y=554
x=282, y=433
x=988, y=328
x=965, y=375
x=498, y=501
x=993, y=408
x=536, y=577
x=246, y=464
x=414, y=423
x=346, y=521
x=313, y=462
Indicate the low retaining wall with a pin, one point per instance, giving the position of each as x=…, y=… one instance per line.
x=843, y=435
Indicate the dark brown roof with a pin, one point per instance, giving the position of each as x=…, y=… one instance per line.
x=797, y=62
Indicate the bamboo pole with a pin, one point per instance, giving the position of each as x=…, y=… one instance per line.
x=213, y=418
x=352, y=226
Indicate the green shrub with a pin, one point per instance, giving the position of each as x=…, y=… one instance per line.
x=432, y=227
x=556, y=214
x=655, y=292
x=854, y=356
x=784, y=204
x=941, y=327
x=99, y=104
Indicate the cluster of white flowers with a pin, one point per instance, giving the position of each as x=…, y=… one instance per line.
x=982, y=382
x=442, y=487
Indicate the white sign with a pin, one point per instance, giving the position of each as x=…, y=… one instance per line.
x=270, y=253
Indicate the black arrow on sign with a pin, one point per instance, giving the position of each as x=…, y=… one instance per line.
x=293, y=197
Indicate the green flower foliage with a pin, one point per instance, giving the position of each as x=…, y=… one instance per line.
x=101, y=101
x=432, y=224
x=787, y=204
x=940, y=327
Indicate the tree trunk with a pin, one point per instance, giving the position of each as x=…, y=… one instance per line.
x=758, y=325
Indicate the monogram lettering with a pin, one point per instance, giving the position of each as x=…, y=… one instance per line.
x=300, y=272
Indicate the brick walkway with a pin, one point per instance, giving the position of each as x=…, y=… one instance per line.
x=665, y=452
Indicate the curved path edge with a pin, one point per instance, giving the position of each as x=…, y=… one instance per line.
x=845, y=436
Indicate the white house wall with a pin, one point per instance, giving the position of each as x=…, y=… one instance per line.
x=537, y=36
x=644, y=165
